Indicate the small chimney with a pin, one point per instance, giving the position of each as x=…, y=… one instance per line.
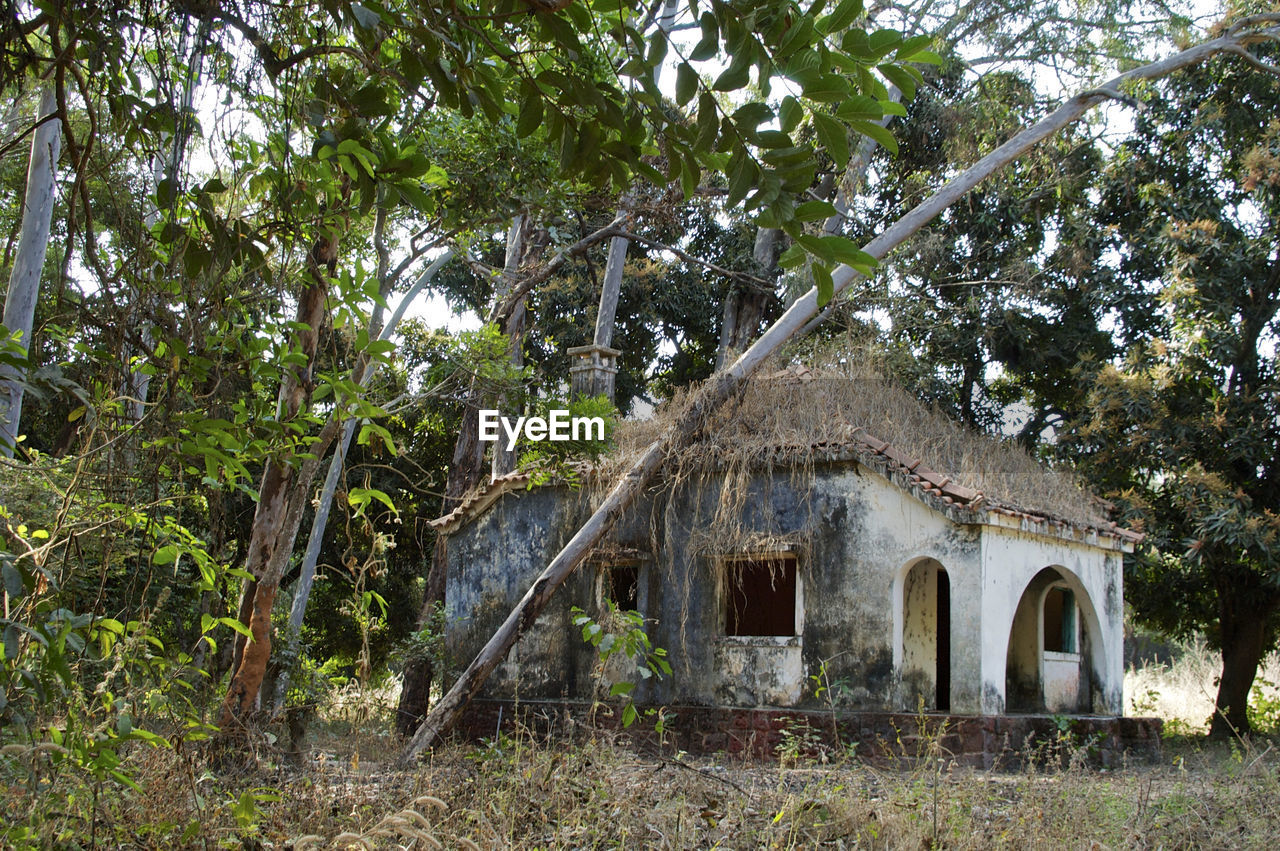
x=593, y=371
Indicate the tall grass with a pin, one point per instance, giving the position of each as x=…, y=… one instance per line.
x=1181, y=691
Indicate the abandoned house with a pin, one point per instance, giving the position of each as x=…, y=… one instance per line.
x=829, y=542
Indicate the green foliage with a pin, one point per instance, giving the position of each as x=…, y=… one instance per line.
x=620, y=633
x=559, y=459
x=1264, y=707
x=1183, y=432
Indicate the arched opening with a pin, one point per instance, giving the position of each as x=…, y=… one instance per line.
x=1048, y=665
x=926, y=637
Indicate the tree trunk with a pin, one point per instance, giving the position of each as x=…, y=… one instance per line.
x=504, y=460
x=1243, y=612
x=415, y=692
x=725, y=384
x=282, y=496
x=28, y=263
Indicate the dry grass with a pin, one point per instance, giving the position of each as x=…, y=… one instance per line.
x=1182, y=691
x=824, y=406
x=525, y=792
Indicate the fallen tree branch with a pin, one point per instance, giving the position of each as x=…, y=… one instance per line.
x=725, y=383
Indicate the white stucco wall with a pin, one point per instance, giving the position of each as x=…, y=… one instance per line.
x=1011, y=558
x=894, y=533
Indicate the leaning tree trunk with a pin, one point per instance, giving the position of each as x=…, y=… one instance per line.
x=1243, y=612
x=28, y=263
x=725, y=384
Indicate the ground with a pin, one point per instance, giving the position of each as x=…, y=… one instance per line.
x=524, y=793
x=590, y=790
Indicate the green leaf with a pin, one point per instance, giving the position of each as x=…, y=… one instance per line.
x=841, y=17
x=732, y=78
x=774, y=139
x=875, y=131
x=863, y=107
x=798, y=36
x=237, y=626
x=530, y=117
x=686, y=83
x=362, y=496
x=752, y=115
x=845, y=250
x=822, y=280
x=790, y=114
x=813, y=211
x=882, y=41
x=690, y=174
x=892, y=107
x=11, y=645
x=708, y=121
x=827, y=88
x=818, y=247
x=166, y=555
x=629, y=715
x=14, y=585
x=904, y=78
x=834, y=137
x=913, y=47
x=742, y=174
x=657, y=49
x=709, y=45
x=621, y=689
x=792, y=257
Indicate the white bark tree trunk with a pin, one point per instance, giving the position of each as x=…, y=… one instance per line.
x=28, y=262
x=611, y=286
x=504, y=460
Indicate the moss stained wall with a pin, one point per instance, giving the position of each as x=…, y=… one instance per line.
x=855, y=538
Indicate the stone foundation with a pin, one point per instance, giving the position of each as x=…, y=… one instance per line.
x=986, y=741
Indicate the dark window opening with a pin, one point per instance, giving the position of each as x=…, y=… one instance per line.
x=943, y=662
x=760, y=596
x=1060, y=621
x=622, y=586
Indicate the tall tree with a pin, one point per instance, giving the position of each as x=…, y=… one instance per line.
x=1184, y=433
x=28, y=262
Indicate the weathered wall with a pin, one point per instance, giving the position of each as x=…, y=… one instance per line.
x=492, y=561
x=1013, y=583
x=867, y=556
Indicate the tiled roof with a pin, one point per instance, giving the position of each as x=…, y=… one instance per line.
x=478, y=500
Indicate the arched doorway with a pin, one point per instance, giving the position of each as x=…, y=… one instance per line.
x=1048, y=664
x=926, y=637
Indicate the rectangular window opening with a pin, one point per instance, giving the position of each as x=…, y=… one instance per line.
x=1060, y=621
x=622, y=586
x=760, y=596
